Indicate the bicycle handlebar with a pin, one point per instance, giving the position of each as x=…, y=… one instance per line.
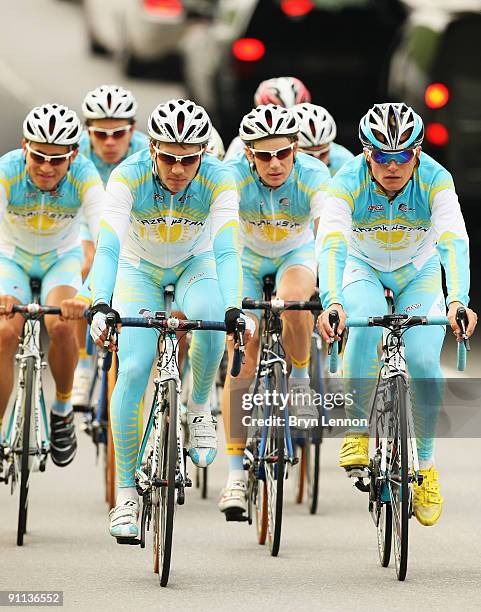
x=406, y=322
x=278, y=305
x=36, y=309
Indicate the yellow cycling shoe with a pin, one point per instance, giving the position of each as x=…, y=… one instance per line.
x=427, y=502
x=354, y=451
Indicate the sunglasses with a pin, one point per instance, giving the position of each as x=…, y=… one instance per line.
x=185, y=160
x=116, y=133
x=401, y=157
x=54, y=160
x=266, y=156
x=314, y=153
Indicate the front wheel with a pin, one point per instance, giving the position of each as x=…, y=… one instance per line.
x=399, y=476
x=28, y=399
x=164, y=508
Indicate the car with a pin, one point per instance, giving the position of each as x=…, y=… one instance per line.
x=338, y=49
x=435, y=68
x=140, y=33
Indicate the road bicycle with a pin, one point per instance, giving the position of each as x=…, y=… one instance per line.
x=27, y=440
x=161, y=468
x=393, y=467
x=270, y=448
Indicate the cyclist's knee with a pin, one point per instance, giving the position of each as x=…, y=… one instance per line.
x=61, y=331
x=9, y=332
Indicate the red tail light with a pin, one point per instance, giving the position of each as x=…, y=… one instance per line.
x=248, y=49
x=436, y=95
x=296, y=8
x=437, y=134
x=167, y=8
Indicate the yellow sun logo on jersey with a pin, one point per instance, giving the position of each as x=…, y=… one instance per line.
x=40, y=222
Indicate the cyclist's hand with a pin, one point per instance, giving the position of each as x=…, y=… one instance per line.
x=324, y=326
x=6, y=305
x=98, y=325
x=230, y=320
x=472, y=320
x=72, y=309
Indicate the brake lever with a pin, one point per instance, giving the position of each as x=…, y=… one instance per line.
x=462, y=320
x=110, y=321
x=334, y=321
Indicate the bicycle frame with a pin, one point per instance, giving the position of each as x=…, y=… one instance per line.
x=29, y=347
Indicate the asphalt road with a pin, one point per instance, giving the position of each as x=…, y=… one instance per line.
x=326, y=562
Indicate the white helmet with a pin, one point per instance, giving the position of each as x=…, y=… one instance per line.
x=316, y=125
x=268, y=120
x=180, y=121
x=109, y=102
x=215, y=146
x=391, y=126
x=285, y=91
x=52, y=124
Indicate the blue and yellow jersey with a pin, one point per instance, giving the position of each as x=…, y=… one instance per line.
x=359, y=219
x=276, y=221
x=338, y=156
x=39, y=221
x=153, y=227
x=138, y=142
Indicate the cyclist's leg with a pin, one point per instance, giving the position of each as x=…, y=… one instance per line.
x=198, y=296
x=424, y=296
x=254, y=267
x=135, y=289
x=86, y=363
x=296, y=280
x=61, y=281
x=14, y=281
x=363, y=296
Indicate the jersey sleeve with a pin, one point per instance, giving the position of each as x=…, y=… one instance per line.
x=452, y=244
x=225, y=238
x=332, y=240
x=114, y=226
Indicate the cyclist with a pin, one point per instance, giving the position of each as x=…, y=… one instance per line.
x=391, y=218
x=317, y=131
x=283, y=91
x=110, y=137
x=170, y=216
x=44, y=186
x=281, y=194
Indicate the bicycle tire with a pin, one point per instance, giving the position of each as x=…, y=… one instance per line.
x=313, y=466
x=301, y=474
x=203, y=482
x=110, y=470
x=400, y=503
x=261, y=511
x=26, y=463
x=384, y=534
x=167, y=471
x=275, y=470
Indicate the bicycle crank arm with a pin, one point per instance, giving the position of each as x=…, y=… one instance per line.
x=129, y=541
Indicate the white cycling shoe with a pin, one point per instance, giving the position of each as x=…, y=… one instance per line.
x=233, y=500
x=202, y=438
x=123, y=519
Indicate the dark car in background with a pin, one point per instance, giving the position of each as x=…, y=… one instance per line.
x=338, y=48
x=436, y=68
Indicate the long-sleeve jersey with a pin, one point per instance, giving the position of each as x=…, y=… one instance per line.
x=138, y=142
x=360, y=220
x=146, y=223
x=276, y=221
x=42, y=221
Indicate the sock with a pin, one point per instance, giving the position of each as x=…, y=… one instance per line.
x=193, y=407
x=84, y=360
x=425, y=464
x=300, y=369
x=125, y=493
x=62, y=405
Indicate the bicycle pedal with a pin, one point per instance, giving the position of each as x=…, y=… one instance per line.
x=357, y=471
x=129, y=541
x=235, y=515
